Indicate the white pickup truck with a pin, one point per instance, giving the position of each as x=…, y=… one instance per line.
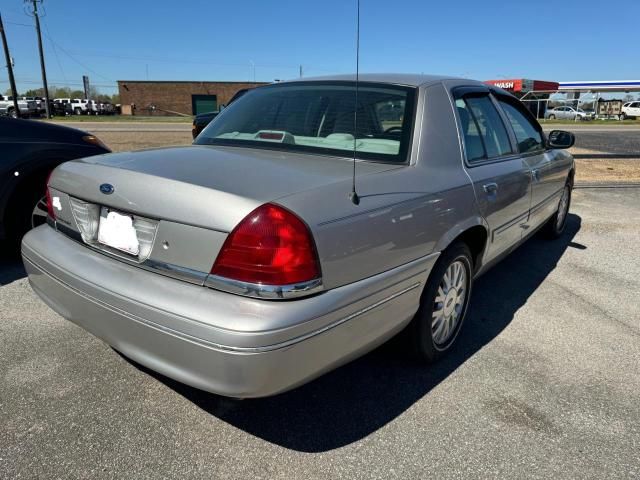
x=27, y=107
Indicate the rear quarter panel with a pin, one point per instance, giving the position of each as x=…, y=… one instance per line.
x=404, y=214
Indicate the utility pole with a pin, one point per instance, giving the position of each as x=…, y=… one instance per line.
x=42, y=68
x=12, y=80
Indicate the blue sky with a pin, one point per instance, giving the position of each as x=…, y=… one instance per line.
x=222, y=40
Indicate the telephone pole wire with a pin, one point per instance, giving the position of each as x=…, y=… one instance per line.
x=42, y=67
x=12, y=80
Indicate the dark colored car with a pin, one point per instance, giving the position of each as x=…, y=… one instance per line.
x=203, y=119
x=200, y=121
x=30, y=151
x=59, y=109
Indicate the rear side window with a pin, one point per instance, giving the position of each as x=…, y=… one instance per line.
x=528, y=136
x=485, y=136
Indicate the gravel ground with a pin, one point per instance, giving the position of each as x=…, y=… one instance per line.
x=545, y=383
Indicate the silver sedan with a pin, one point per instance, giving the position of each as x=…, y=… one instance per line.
x=302, y=229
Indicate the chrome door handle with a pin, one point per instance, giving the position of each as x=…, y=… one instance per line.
x=490, y=188
x=535, y=174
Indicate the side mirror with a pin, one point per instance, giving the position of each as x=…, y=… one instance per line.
x=561, y=139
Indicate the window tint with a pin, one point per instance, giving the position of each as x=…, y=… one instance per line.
x=485, y=136
x=528, y=136
x=319, y=117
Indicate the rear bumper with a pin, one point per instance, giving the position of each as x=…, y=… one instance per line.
x=222, y=343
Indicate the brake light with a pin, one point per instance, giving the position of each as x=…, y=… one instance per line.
x=270, y=246
x=50, y=209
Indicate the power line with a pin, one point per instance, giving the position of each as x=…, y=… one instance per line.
x=77, y=61
x=55, y=51
x=20, y=24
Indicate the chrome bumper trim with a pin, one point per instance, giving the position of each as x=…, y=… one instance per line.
x=257, y=290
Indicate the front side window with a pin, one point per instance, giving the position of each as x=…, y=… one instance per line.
x=318, y=117
x=485, y=135
x=527, y=134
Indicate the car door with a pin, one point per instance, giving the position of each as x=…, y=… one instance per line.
x=548, y=175
x=501, y=179
x=635, y=109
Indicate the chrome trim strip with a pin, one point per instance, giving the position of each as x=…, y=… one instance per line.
x=167, y=269
x=257, y=290
x=544, y=202
x=175, y=271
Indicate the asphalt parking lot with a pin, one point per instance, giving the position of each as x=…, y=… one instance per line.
x=544, y=383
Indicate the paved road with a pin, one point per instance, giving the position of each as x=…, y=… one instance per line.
x=545, y=384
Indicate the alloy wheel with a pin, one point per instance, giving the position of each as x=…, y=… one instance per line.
x=39, y=213
x=449, y=304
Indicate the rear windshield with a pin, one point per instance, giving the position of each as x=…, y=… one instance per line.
x=318, y=117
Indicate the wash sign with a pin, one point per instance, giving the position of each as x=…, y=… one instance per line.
x=523, y=85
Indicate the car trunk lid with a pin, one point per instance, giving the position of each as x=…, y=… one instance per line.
x=183, y=201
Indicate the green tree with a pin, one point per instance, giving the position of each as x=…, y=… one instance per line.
x=34, y=92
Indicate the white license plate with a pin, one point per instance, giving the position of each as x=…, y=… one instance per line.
x=116, y=230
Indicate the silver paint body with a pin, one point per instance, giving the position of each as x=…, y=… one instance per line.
x=375, y=257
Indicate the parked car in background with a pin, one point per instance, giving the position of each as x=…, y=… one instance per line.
x=630, y=110
x=203, y=119
x=94, y=107
x=27, y=108
x=30, y=151
x=40, y=103
x=568, y=113
x=79, y=106
x=109, y=109
x=245, y=265
x=200, y=121
x=61, y=107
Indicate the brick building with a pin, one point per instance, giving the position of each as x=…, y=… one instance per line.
x=173, y=97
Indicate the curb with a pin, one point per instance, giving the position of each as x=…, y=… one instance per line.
x=606, y=156
x=606, y=185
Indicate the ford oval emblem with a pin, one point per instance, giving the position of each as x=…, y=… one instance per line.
x=107, y=188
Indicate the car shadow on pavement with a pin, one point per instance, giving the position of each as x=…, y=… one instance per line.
x=357, y=399
x=11, y=269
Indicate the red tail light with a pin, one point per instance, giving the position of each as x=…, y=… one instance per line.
x=50, y=210
x=271, y=246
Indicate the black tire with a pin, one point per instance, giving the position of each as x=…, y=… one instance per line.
x=77, y=111
x=623, y=116
x=552, y=117
x=556, y=224
x=421, y=334
x=12, y=113
x=21, y=211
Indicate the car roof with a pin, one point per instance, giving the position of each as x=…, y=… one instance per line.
x=412, y=80
x=22, y=129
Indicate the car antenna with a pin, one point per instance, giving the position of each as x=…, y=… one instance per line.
x=355, y=199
